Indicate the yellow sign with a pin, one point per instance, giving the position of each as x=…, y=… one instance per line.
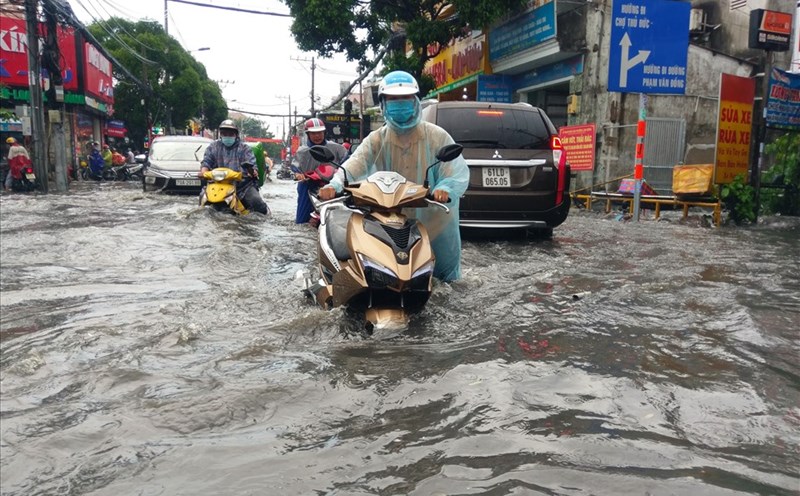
x=734, y=127
x=457, y=62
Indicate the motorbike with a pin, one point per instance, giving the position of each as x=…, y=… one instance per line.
x=22, y=174
x=126, y=172
x=372, y=258
x=220, y=190
x=284, y=172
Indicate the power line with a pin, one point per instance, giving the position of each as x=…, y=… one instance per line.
x=234, y=9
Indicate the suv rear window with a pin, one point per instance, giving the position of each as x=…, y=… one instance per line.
x=495, y=128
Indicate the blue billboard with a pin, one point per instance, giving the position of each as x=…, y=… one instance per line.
x=523, y=32
x=649, y=46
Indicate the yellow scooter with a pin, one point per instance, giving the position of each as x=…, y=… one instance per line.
x=220, y=191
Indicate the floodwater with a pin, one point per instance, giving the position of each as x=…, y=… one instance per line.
x=152, y=348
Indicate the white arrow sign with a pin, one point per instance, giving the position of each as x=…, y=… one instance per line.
x=627, y=64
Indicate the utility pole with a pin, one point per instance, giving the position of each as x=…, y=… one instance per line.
x=313, y=66
x=51, y=59
x=166, y=14
x=40, y=161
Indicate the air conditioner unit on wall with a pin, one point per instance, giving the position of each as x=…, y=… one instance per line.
x=697, y=20
x=573, y=104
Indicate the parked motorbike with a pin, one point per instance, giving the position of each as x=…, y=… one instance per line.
x=284, y=172
x=372, y=258
x=125, y=172
x=220, y=190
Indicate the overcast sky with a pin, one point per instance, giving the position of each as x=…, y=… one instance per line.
x=252, y=56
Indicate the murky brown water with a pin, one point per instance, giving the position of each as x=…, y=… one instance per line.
x=153, y=349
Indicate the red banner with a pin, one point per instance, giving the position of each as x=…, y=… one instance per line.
x=734, y=127
x=579, y=142
x=14, y=54
x=97, y=74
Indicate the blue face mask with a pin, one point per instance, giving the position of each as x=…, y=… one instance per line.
x=228, y=140
x=400, y=111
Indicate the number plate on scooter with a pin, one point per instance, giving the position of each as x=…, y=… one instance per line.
x=30, y=177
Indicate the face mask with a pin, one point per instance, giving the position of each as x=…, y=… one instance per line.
x=400, y=111
x=228, y=140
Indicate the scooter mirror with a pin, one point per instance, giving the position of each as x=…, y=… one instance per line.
x=321, y=153
x=449, y=152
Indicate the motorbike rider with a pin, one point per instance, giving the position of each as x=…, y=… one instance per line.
x=15, y=150
x=408, y=145
x=96, y=162
x=315, y=134
x=108, y=156
x=229, y=151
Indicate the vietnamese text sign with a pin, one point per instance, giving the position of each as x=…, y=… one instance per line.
x=579, y=142
x=734, y=125
x=783, y=101
x=649, y=46
x=523, y=32
x=494, y=89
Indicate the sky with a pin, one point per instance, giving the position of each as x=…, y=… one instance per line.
x=253, y=57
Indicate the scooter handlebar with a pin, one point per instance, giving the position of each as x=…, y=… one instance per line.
x=439, y=204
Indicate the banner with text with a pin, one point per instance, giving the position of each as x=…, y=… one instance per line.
x=734, y=127
x=579, y=142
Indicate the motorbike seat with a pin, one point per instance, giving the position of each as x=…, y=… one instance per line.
x=336, y=229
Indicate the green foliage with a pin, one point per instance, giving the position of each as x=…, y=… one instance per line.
x=360, y=29
x=785, y=173
x=178, y=83
x=739, y=199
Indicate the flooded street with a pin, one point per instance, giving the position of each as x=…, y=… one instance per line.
x=153, y=348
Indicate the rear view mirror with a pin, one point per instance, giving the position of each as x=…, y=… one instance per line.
x=449, y=152
x=321, y=153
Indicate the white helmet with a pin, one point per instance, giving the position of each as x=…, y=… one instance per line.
x=398, y=83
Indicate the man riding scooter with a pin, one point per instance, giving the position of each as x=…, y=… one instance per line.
x=229, y=151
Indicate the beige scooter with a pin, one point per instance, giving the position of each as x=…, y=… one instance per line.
x=372, y=257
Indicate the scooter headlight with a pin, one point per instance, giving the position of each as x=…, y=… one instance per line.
x=218, y=175
x=421, y=278
x=377, y=275
x=425, y=269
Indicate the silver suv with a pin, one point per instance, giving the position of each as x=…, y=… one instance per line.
x=173, y=163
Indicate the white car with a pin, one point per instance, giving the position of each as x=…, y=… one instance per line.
x=173, y=163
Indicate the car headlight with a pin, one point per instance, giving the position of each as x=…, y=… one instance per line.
x=218, y=175
x=377, y=275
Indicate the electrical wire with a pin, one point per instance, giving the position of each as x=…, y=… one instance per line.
x=114, y=36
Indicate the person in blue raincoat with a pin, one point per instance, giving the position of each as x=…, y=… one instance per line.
x=96, y=161
x=315, y=134
x=408, y=145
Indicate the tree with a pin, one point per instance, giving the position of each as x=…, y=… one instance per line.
x=250, y=126
x=179, y=85
x=361, y=29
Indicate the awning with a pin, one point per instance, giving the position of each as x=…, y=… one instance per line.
x=10, y=126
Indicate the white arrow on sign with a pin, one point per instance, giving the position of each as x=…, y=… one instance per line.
x=627, y=64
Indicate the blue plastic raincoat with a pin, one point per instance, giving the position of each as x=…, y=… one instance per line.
x=410, y=154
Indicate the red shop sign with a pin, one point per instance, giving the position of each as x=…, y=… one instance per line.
x=14, y=54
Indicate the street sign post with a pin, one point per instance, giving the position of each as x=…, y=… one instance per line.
x=649, y=46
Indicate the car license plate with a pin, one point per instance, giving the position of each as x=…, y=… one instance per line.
x=150, y=180
x=187, y=182
x=496, y=177
x=30, y=177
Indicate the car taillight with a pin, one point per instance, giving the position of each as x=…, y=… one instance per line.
x=559, y=159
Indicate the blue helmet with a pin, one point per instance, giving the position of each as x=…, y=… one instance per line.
x=398, y=83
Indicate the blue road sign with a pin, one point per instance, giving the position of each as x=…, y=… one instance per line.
x=649, y=46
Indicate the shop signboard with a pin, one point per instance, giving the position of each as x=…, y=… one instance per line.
x=547, y=73
x=14, y=55
x=579, y=143
x=783, y=101
x=770, y=30
x=494, y=88
x=340, y=127
x=649, y=46
x=97, y=74
x=456, y=65
x=525, y=31
x=116, y=129
x=734, y=127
